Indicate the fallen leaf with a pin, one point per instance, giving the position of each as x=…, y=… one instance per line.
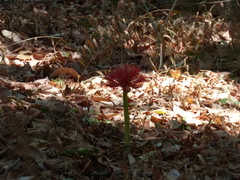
x=38, y=56
x=65, y=72
x=11, y=35
x=160, y=111
x=175, y=73
x=39, y=11
x=173, y=174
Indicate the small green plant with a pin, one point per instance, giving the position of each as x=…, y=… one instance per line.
x=229, y=101
x=59, y=82
x=127, y=77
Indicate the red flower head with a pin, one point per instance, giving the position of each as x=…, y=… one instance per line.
x=126, y=76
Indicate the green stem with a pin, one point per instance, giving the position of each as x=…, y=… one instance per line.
x=127, y=121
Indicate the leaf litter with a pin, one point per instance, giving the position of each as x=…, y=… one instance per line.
x=179, y=123
x=59, y=120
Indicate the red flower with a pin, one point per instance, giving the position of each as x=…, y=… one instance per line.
x=125, y=76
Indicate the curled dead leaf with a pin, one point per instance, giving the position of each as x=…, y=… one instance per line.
x=65, y=72
x=38, y=56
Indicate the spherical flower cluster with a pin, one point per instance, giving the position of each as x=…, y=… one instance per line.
x=126, y=76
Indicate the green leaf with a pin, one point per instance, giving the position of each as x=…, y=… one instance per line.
x=84, y=152
x=59, y=81
x=75, y=110
x=224, y=100
x=65, y=54
x=187, y=127
x=91, y=120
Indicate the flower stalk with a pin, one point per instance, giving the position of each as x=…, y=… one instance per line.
x=126, y=121
x=127, y=77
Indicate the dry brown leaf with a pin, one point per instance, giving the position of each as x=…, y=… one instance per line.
x=39, y=11
x=91, y=44
x=54, y=84
x=175, y=73
x=23, y=148
x=11, y=57
x=155, y=118
x=38, y=56
x=78, y=36
x=65, y=72
x=108, y=115
x=99, y=99
x=102, y=31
